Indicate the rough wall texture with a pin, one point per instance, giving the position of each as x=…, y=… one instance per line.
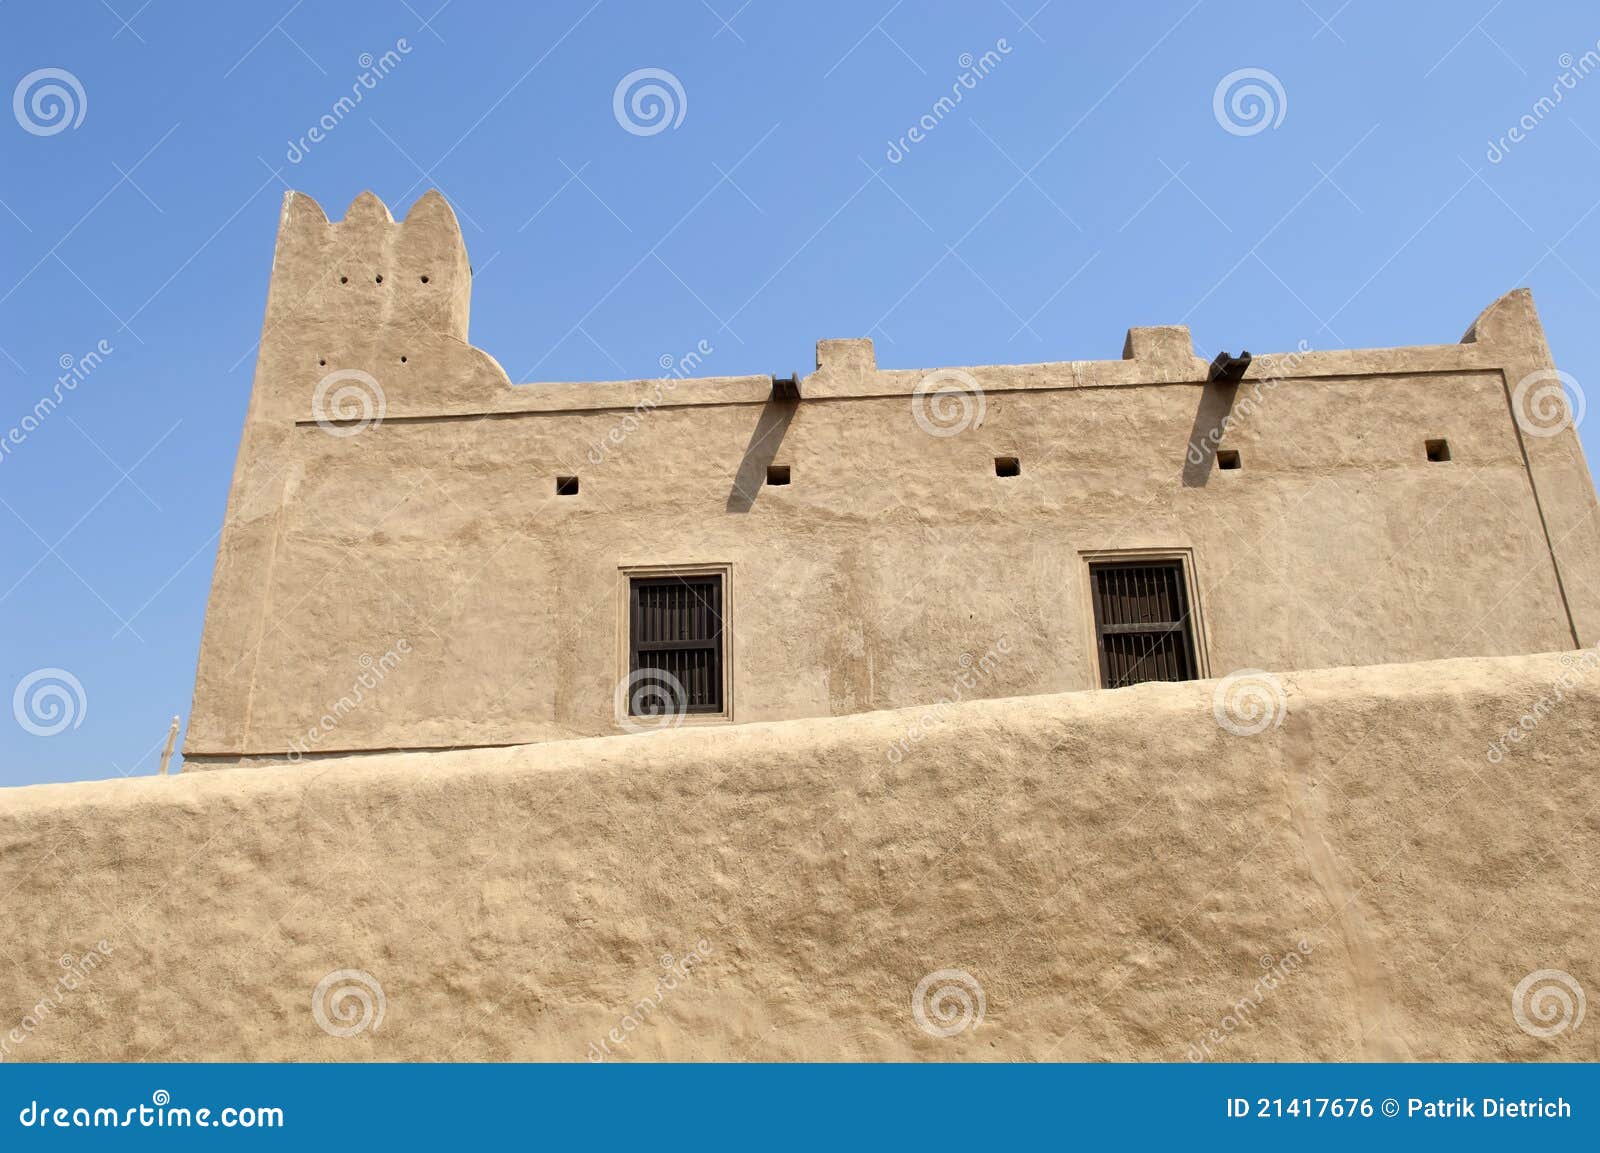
x=893, y=552
x=1114, y=870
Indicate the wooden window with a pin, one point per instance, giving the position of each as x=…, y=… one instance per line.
x=675, y=644
x=1142, y=623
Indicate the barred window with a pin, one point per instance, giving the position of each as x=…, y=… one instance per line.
x=675, y=644
x=1142, y=623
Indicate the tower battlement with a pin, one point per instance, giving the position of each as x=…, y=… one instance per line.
x=370, y=269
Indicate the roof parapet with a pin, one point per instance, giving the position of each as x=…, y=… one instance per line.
x=1167, y=349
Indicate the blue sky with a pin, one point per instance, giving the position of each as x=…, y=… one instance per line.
x=1084, y=184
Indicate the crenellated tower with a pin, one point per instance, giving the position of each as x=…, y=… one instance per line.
x=363, y=314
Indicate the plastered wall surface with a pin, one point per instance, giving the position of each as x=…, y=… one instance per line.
x=1115, y=872
x=434, y=535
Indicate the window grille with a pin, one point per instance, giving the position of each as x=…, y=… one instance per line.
x=1142, y=623
x=675, y=636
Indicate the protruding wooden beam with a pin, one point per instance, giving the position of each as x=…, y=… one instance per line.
x=1228, y=369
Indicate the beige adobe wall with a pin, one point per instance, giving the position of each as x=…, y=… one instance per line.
x=895, y=556
x=1110, y=868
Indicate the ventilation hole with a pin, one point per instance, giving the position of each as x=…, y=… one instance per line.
x=1229, y=458
x=379, y=278
x=1007, y=466
x=566, y=486
x=402, y=360
x=777, y=474
x=1438, y=450
x=344, y=280
x=322, y=363
x=424, y=280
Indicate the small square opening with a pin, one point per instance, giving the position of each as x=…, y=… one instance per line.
x=1007, y=466
x=566, y=486
x=1229, y=458
x=1438, y=450
x=777, y=474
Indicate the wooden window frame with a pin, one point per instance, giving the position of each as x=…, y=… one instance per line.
x=1199, y=637
x=627, y=575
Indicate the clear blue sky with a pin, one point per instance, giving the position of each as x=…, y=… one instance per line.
x=1085, y=184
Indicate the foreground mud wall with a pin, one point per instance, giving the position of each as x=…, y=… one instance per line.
x=1101, y=875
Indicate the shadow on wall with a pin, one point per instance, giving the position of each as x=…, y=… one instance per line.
x=760, y=452
x=1200, y=454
